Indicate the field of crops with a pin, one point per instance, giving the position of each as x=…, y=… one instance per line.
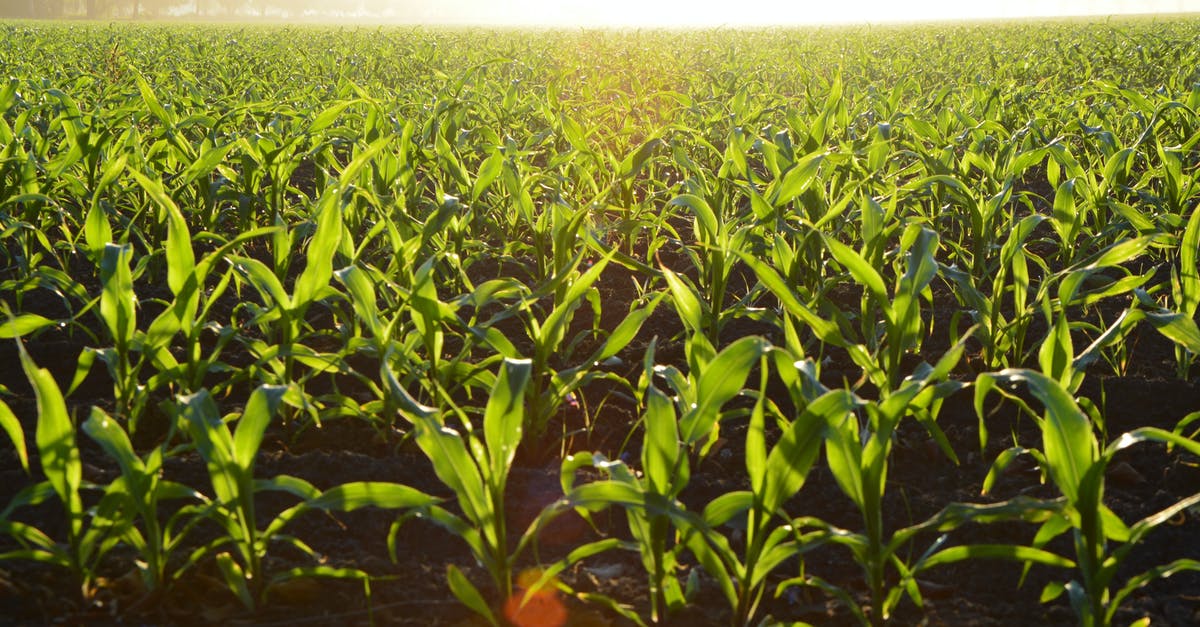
x=399, y=326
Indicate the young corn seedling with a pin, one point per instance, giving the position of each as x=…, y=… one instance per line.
x=549, y=386
x=1001, y=329
x=92, y=530
x=649, y=499
x=775, y=477
x=858, y=453
x=980, y=217
x=283, y=317
x=142, y=489
x=673, y=433
x=1179, y=323
x=1076, y=463
x=880, y=358
x=476, y=469
x=230, y=459
x=189, y=312
x=717, y=245
x=118, y=310
x=858, y=456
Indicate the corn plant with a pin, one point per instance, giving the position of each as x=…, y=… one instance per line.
x=190, y=312
x=551, y=384
x=652, y=511
x=142, y=489
x=858, y=453
x=674, y=432
x=858, y=456
x=1178, y=323
x=286, y=311
x=92, y=531
x=880, y=357
x=1001, y=330
x=1075, y=460
x=229, y=458
x=717, y=243
x=775, y=477
x=476, y=469
x=119, y=313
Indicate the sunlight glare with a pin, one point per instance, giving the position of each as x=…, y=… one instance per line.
x=694, y=13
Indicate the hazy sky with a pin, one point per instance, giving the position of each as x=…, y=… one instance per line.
x=758, y=12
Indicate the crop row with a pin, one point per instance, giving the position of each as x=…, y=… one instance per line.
x=463, y=240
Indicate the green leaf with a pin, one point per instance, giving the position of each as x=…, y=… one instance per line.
x=465, y=592
x=326, y=118
x=633, y=163
x=797, y=179
x=213, y=441
x=555, y=324
x=756, y=444
x=1052, y=591
x=825, y=330
x=723, y=508
x=1189, y=270
x=504, y=416
x=727, y=372
x=96, y=230
x=790, y=461
x=489, y=171
x=455, y=467
x=181, y=261
x=862, y=271
x=318, y=270
x=150, y=99
x=235, y=579
x=1117, y=254
x=56, y=439
x=263, y=280
x=348, y=497
x=686, y=304
x=12, y=426
x=1015, y=553
x=261, y=407
x=627, y=330
x=115, y=442
x=346, y=178
x=1142, y=579
x=117, y=299
x=362, y=293
x=1056, y=354
x=708, y=226
x=1067, y=439
x=1153, y=434
x=843, y=453
x=1065, y=214
x=665, y=472
x=203, y=166
x=1177, y=327
x=24, y=324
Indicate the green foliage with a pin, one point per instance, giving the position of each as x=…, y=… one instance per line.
x=477, y=470
x=253, y=226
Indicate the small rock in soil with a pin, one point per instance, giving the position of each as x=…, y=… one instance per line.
x=1122, y=474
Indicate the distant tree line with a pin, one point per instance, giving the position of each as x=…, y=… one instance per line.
x=135, y=9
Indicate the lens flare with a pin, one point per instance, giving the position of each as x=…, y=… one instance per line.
x=542, y=608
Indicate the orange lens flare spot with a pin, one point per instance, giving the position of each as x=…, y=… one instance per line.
x=541, y=609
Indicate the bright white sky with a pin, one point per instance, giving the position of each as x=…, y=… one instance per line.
x=685, y=13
